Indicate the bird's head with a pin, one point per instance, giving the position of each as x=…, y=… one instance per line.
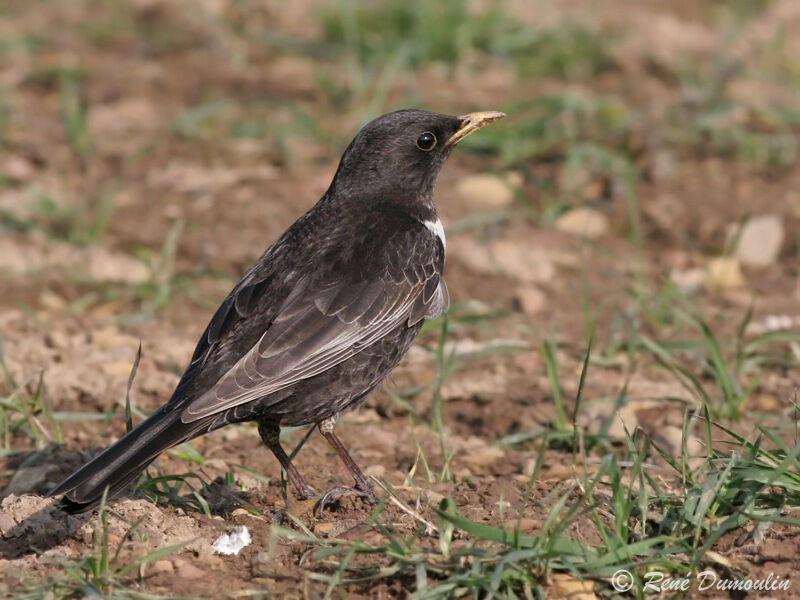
x=399, y=155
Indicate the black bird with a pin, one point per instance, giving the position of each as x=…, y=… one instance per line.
x=321, y=318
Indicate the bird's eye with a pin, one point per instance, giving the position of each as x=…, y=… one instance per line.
x=426, y=142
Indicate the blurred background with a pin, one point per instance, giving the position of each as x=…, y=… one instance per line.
x=642, y=192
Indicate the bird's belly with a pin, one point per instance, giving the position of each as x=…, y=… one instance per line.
x=342, y=387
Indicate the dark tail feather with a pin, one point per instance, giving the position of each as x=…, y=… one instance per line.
x=121, y=462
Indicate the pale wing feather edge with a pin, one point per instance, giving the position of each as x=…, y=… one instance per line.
x=245, y=381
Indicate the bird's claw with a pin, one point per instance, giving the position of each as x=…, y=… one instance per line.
x=335, y=493
x=306, y=492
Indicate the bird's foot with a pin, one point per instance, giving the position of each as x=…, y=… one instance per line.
x=340, y=491
x=305, y=491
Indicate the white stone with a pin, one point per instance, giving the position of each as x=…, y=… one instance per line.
x=688, y=281
x=485, y=191
x=585, y=222
x=760, y=241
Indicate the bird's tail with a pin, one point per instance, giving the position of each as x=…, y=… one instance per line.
x=118, y=464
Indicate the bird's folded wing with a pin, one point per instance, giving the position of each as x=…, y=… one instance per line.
x=319, y=327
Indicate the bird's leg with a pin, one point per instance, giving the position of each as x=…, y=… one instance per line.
x=363, y=486
x=270, y=434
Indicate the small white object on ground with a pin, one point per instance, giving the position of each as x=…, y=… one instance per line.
x=760, y=240
x=233, y=542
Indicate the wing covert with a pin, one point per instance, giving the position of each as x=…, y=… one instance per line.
x=325, y=321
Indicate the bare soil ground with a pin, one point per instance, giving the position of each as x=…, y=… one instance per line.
x=151, y=152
